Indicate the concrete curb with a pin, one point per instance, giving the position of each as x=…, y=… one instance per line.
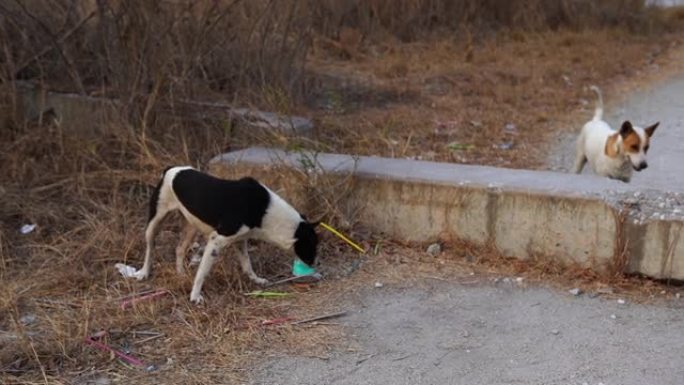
x=573, y=219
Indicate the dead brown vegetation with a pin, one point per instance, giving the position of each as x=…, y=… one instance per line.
x=146, y=51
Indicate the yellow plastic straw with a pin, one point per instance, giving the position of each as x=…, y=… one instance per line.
x=341, y=236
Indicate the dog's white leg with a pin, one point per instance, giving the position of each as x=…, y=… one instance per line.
x=580, y=157
x=186, y=238
x=246, y=264
x=579, y=164
x=214, y=245
x=150, y=234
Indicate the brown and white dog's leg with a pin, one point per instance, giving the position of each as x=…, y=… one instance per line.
x=181, y=250
x=580, y=157
x=214, y=245
x=246, y=264
x=579, y=164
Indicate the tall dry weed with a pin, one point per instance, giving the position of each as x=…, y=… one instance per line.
x=148, y=52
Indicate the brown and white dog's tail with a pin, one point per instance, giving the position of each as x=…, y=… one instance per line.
x=598, y=113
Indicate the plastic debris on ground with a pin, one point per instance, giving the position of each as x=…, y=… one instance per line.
x=27, y=228
x=125, y=270
x=434, y=249
x=94, y=341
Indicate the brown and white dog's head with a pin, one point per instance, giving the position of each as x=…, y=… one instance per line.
x=631, y=142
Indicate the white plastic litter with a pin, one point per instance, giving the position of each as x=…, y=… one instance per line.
x=125, y=270
x=28, y=319
x=25, y=229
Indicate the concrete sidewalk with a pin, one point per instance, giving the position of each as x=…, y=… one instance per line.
x=494, y=335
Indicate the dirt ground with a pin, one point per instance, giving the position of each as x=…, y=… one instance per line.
x=463, y=318
x=493, y=333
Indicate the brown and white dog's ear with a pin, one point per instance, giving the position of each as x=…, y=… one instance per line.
x=651, y=129
x=612, y=148
x=626, y=129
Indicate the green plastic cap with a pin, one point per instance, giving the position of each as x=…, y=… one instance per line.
x=300, y=268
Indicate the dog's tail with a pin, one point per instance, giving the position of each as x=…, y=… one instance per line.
x=598, y=113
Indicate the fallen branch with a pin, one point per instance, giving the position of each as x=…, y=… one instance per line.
x=267, y=294
x=276, y=321
x=319, y=318
x=148, y=339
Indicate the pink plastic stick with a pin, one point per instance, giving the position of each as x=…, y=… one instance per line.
x=131, y=360
x=132, y=301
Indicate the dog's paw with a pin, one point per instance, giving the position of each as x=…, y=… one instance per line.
x=142, y=274
x=196, y=298
x=260, y=281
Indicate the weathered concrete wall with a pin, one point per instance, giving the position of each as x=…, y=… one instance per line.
x=656, y=248
x=83, y=114
x=89, y=115
x=572, y=219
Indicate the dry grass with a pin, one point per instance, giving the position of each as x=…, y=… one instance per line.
x=377, y=81
x=426, y=101
x=150, y=52
x=88, y=200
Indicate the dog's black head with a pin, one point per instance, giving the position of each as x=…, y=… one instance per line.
x=306, y=242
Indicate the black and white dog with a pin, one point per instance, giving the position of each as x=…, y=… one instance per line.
x=225, y=211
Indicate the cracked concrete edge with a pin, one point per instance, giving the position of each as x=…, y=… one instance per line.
x=573, y=219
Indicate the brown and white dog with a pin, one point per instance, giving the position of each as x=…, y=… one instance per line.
x=611, y=153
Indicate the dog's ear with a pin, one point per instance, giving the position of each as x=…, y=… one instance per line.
x=612, y=148
x=651, y=129
x=626, y=128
